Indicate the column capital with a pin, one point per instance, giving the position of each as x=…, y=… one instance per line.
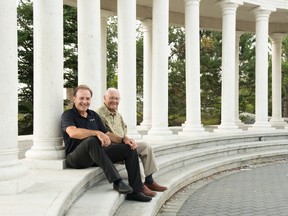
x=229, y=4
x=277, y=36
x=192, y=2
x=146, y=22
x=263, y=12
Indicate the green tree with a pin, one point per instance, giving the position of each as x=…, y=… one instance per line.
x=247, y=73
x=25, y=67
x=176, y=85
x=285, y=76
x=70, y=47
x=112, y=54
x=210, y=69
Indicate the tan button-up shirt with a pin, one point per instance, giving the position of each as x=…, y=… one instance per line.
x=113, y=121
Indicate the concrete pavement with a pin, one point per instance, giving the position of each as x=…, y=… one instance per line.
x=259, y=190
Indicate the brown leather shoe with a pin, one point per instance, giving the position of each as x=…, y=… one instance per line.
x=156, y=187
x=146, y=191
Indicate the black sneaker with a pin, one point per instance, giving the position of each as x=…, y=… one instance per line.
x=122, y=188
x=138, y=197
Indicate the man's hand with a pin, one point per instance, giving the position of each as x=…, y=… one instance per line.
x=130, y=142
x=104, y=139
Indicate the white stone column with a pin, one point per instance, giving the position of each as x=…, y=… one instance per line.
x=147, y=74
x=261, y=105
x=237, y=119
x=126, y=11
x=192, y=124
x=228, y=105
x=47, y=150
x=276, y=119
x=89, y=48
x=14, y=177
x=159, y=129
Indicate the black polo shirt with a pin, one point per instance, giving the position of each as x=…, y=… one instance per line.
x=72, y=117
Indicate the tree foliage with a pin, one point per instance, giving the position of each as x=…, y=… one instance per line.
x=25, y=67
x=285, y=76
x=247, y=73
x=210, y=69
x=112, y=54
x=70, y=47
x=176, y=76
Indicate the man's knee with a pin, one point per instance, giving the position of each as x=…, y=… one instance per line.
x=127, y=149
x=91, y=142
x=144, y=149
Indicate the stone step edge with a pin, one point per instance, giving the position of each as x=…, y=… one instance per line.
x=175, y=183
x=177, y=180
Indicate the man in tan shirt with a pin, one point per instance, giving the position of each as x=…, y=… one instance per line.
x=115, y=124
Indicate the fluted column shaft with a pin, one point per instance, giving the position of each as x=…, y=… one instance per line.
x=276, y=119
x=261, y=106
x=126, y=10
x=228, y=105
x=237, y=119
x=48, y=83
x=89, y=48
x=192, y=41
x=14, y=176
x=160, y=69
x=147, y=73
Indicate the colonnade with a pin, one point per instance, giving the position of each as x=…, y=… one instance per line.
x=48, y=151
x=15, y=177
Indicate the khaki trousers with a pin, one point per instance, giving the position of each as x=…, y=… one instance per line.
x=146, y=155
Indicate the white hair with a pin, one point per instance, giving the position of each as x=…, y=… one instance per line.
x=111, y=90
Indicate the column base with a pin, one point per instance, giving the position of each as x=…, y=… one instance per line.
x=160, y=137
x=231, y=128
x=193, y=130
x=45, y=164
x=239, y=123
x=261, y=126
x=15, y=178
x=159, y=134
x=145, y=125
x=49, y=149
x=278, y=123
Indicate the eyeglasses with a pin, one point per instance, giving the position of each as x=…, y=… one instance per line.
x=114, y=98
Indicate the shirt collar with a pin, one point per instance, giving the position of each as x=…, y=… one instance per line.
x=77, y=112
x=108, y=112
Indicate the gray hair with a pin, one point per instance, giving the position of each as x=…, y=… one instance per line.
x=111, y=90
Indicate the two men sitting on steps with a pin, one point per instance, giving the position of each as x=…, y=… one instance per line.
x=88, y=143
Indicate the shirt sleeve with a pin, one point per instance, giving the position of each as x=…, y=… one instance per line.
x=101, y=126
x=67, y=120
x=124, y=126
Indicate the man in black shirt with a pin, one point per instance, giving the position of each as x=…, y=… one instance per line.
x=88, y=143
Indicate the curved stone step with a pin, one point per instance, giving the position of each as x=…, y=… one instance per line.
x=196, y=162
x=187, y=174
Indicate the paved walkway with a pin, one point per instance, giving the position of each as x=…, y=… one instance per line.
x=258, y=191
